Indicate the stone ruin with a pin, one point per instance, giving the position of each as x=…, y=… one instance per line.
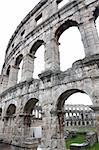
x=32, y=111
x=79, y=116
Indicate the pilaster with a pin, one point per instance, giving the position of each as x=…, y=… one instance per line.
x=13, y=76
x=89, y=37
x=27, y=68
x=52, y=58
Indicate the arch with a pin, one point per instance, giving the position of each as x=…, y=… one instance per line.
x=37, y=51
x=96, y=18
x=96, y=13
x=18, y=60
x=33, y=109
x=67, y=24
x=8, y=70
x=29, y=106
x=35, y=46
x=71, y=49
x=64, y=96
x=20, y=71
x=19, y=64
x=11, y=110
x=0, y=111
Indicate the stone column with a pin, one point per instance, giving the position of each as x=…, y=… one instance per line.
x=3, y=83
x=52, y=61
x=27, y=68
x=13, y=76
x=89, y=37
x=53, y=135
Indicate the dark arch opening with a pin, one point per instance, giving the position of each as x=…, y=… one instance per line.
x=96, y=12
x=0, y=111
x=11, y=110
x=96, y=16
x=8, y=71
x=29, y=106
x=36, y=46
x=18, y=60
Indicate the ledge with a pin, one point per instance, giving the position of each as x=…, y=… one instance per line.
x=21, y=84
x=87, y=61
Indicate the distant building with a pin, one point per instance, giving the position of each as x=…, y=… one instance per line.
x=79, y=115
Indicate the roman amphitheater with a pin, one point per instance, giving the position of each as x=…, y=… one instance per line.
x=32, y=111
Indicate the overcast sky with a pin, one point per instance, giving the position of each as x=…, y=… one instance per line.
x=11, y=14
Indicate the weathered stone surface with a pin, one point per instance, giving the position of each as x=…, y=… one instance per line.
x=31, y=103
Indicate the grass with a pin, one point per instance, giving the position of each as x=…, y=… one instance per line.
x=79, y=139
x=84, y=129
x=95, y=147
x=87, y=129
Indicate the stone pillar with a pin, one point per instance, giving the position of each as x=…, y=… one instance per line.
x=27, y=68
x=89, y=37
x=13, y=76
x=53, y=135
x=4, y=83
x=52, y=58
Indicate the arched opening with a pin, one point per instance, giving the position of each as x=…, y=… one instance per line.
x=79, y=98
x=29, y=106
x=11, y=110
x=19, y=64
x=0, y=111
x=20, y=72
x=76, y=116
x=32, y=110
x=71, y=49
x=96, y=14
x=97, y=25
x=8, y=71
x=37, y=52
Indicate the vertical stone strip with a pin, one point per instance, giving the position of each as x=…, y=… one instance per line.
x=89, y=37
x=52, y=61
x=13, y=76
x=27, y=68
